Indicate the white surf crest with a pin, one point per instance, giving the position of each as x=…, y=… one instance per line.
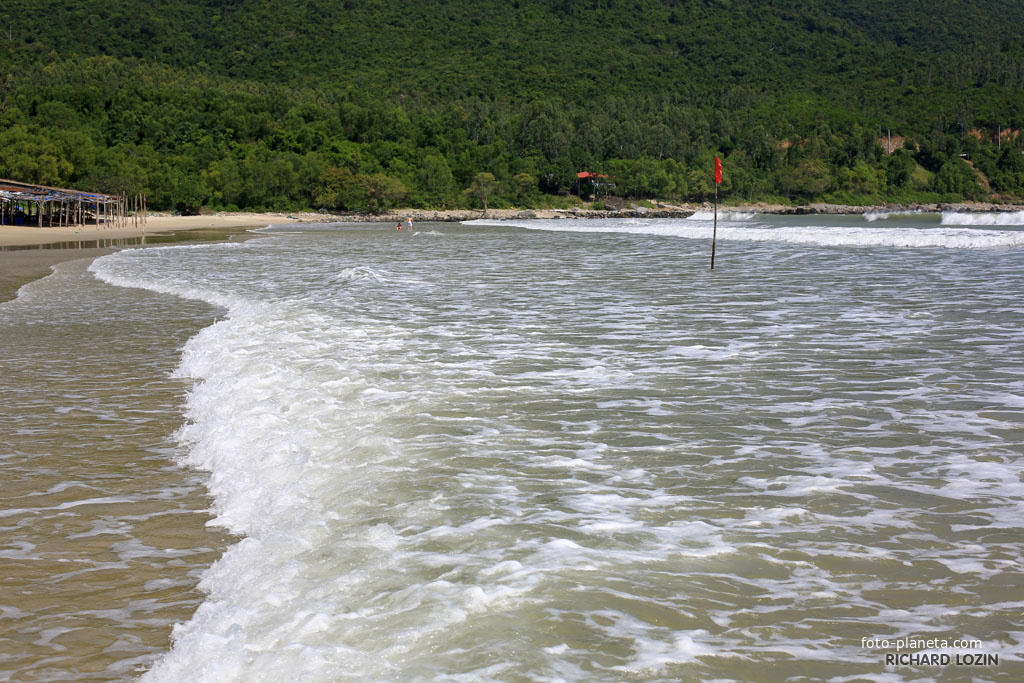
x=820, y=235
x=356, y=273
x=722, y=216
x=872, y=216
x=1007, y=218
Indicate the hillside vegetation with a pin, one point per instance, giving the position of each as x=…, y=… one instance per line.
x=362, y=105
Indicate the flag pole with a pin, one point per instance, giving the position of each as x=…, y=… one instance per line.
x=714, y=233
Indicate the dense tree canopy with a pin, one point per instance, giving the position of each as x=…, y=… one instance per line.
x=362, y=105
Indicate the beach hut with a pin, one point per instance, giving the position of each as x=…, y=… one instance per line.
x=597, y=181
x=39, y=205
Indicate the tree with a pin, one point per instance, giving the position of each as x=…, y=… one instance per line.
x=957, y=178
x=382, y=191
x=483, y=186
x=807, y=178
x=339, y=189
x=32, y=158
x=861, y=179
x=525, y=185
x=437, y=180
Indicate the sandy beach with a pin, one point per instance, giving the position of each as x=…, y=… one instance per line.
x=20, y=263
x=19, y=235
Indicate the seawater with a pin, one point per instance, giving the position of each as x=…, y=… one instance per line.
x=102, y=535
x=568, y=451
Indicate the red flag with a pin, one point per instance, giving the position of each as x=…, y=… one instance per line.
x=718, y=170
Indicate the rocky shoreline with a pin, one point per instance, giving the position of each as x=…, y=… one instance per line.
x=663, y=210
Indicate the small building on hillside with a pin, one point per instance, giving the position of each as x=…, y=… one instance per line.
x=594, y=182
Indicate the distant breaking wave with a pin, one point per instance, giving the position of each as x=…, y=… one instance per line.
x=831, y=236
x=885, y=215
x=1008, y=218
x=879, y=237
x=722, y=216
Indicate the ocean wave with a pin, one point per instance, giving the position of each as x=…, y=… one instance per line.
x=358, y=273
x=872, y=216
x=909, y=238
x=414, y=470
x=131, y=269
x=722, y=216
x=1008, y=218
x=819, y=235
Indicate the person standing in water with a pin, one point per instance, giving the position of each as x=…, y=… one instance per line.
x=399, y=225
x=409, y=223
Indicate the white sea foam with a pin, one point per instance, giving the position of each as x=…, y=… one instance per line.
x=872, y=216
x=827, y=236
x=1003, y=218
x=358, y=273
x=551, y=459
x=728, y=216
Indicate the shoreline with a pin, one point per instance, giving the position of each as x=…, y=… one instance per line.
x=29, y=253
x=156, y=224
x=92, y=236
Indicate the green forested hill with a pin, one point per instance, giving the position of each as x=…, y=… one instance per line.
x=360, y=104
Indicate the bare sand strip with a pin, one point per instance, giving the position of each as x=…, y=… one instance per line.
x=20, y=235
x=21, y=265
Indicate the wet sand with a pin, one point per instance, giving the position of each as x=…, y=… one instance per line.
x=28, y=253
x=20, y=267
x=156, y=224
x=103, y=536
